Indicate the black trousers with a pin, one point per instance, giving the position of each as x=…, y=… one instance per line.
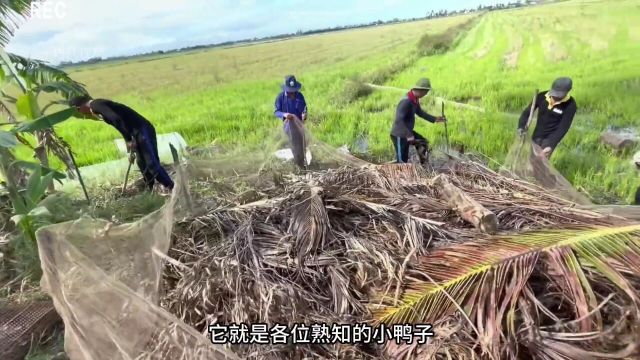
x=148, y=159
x=401, y=145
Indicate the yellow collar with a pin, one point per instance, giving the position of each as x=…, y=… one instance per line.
x=552, y=102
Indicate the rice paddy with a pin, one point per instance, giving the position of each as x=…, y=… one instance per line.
x=226, y=94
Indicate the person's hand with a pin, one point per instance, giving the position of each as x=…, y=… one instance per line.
x=411, y=139
x=546, y=152
x=522, y=132
x=130, y=146
x=441, y=119
x=288, y=116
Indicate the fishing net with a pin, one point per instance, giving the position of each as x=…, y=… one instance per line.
x=525, y=160
x=247, y=238
x=105, y=279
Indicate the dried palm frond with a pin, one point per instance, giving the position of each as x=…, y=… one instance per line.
x=489, y=280
x=325, y=246
x=309, y=224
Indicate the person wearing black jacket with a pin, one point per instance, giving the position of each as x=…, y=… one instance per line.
x=138, y=132
x=556, y=109
x=402, y=133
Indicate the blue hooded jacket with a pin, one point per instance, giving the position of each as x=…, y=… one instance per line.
x=284, y=104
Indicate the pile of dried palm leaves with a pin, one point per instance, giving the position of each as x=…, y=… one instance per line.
x=385, y=244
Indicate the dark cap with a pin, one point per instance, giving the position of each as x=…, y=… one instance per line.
x=561, y=87
x=78, y=101
x=291, y=84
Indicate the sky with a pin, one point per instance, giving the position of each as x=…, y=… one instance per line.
x=73, y=30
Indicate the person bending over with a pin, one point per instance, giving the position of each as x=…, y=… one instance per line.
x=138, y=133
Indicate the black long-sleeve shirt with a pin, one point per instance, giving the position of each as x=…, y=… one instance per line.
x=126, y=120
x=406, y=118
x=553, y=121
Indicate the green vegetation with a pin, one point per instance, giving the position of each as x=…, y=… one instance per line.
x=511, y=53
x=227, y=95
x=433, y=44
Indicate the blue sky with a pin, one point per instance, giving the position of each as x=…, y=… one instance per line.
x=61, y=30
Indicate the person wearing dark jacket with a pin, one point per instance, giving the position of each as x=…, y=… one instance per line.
x=556, y=109
x=402, y=133
x=138, y=133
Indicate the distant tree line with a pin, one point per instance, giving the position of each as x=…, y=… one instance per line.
x=431, y=15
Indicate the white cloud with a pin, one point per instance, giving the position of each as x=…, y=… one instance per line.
x=91, y=28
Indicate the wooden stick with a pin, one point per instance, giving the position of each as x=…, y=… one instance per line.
x=532, y=110
x=126, y=176
x=182, y=181
x=84, y=189
x=526, y=129
x=446, y=130
x=468, y=208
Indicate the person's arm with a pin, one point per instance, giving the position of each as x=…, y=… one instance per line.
x=430, y=118
x=278, y=108
x=567, y=119
x=403, y=109
x=108, y=114
x=524, y=117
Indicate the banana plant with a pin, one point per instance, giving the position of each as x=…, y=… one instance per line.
x=28, y=216
x=34, y=78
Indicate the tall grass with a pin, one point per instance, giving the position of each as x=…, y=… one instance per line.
x=439, y=43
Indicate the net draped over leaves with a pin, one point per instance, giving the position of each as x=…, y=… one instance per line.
x=245, y=238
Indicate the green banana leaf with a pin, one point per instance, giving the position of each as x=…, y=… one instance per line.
x=45, y=122
x=7, y=139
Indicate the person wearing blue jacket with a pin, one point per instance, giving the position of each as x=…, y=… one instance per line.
x=290, y=103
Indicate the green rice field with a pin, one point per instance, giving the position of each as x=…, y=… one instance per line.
x=494, y=61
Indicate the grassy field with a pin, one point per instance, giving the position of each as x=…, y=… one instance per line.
x=227, y=94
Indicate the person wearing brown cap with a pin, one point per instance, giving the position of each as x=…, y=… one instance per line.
x=402, y=133
x=556, y=110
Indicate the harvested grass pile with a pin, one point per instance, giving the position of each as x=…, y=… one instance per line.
x=353, y=245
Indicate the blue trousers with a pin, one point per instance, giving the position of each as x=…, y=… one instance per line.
x=148, y=159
